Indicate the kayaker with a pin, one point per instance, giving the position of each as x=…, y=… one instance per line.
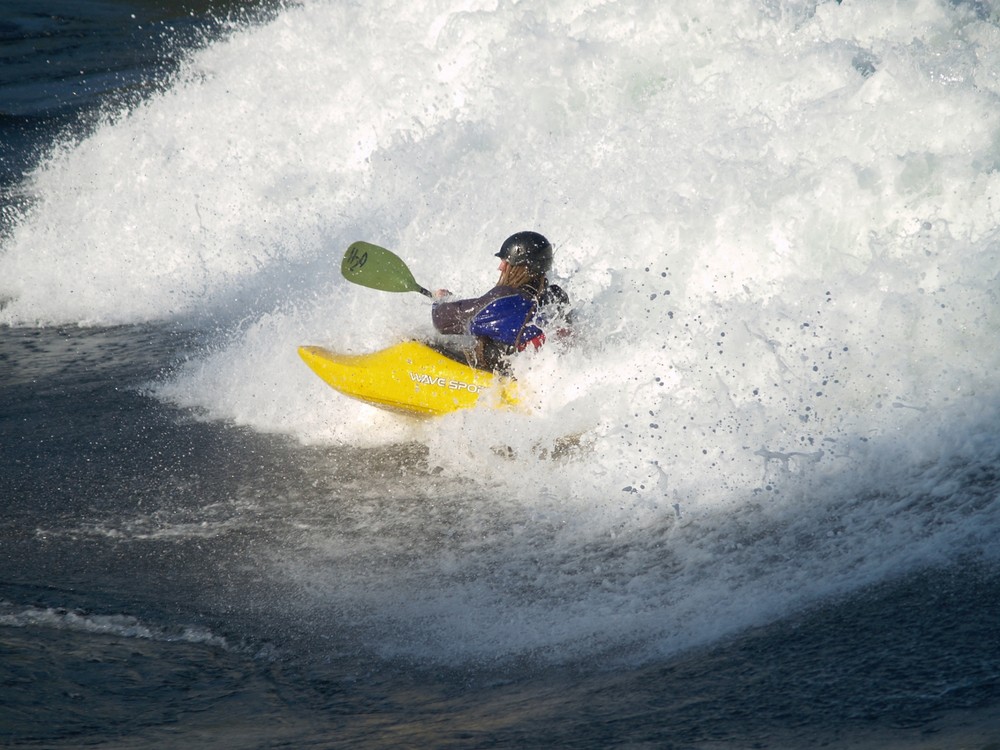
x=513, y=315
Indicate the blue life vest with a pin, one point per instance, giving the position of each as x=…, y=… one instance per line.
x=506, y=319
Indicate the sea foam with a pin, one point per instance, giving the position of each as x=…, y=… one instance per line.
x=779, y=224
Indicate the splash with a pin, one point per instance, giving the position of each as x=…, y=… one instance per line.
x=780, y=224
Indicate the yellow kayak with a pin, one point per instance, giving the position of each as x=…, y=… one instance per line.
x=409, y=378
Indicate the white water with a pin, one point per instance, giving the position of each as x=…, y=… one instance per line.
x=120, y=626
x=781, y=223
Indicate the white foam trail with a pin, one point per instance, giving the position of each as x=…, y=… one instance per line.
x=118, y=625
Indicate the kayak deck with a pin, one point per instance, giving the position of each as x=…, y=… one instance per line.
x=409, y=378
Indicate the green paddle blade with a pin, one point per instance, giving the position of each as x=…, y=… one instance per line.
x=377, y=268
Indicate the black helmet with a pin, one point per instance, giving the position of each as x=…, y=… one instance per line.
x=527, y=249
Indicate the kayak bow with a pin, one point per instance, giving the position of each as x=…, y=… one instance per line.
x=408, y=378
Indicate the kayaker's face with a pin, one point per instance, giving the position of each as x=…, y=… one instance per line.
x=502, y=268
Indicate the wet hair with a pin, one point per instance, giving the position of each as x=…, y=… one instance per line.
x=520, y=277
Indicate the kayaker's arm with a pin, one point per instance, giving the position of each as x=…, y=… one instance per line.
x=455, y=317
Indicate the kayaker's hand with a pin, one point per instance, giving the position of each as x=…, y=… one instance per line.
x=441, y=293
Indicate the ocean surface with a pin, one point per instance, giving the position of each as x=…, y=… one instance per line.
x=753, y=502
